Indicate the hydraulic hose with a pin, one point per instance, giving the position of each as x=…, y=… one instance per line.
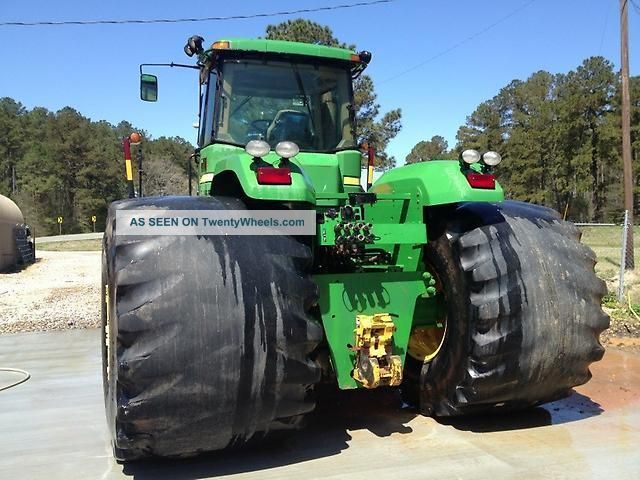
x=26, y=376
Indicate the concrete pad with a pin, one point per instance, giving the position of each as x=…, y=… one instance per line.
x=53, y=427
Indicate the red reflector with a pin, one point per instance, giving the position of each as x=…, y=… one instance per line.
x=481, y=180
x=274, y=176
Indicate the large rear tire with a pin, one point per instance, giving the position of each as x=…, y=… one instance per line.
x=524, y=311
x=206, y=340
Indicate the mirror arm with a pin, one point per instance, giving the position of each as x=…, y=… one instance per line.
x=181, y=65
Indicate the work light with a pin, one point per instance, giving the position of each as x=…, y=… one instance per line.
x=287, y=149
x=491, y=158
x=257, y=148
x=471, y=156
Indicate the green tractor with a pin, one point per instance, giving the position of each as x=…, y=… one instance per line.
x=427, y=281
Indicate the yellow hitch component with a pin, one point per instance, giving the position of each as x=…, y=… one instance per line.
x=375, y=364
x=355, y=181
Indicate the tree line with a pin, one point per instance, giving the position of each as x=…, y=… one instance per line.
x=560, y=139
x=62, y=164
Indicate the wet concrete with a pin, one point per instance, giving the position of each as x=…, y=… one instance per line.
x=53, y=427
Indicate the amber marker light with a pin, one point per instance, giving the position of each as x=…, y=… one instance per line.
x=135, y=138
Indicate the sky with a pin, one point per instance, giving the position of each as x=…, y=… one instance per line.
x=455, y=54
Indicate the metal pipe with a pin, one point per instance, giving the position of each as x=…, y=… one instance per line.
x=126, y=149
x=623, y=256
x=189, y=171
x=139, y=158
x=371, y=157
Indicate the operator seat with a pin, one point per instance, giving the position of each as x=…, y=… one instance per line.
x=293, y=126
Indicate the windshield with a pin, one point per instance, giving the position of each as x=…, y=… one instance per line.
x=276, y=101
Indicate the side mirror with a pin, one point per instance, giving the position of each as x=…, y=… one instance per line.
x=148, y=87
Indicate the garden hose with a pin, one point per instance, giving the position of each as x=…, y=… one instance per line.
x=630, y=307
x=26, y=377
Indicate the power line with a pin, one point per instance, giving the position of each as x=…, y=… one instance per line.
x=460, y=43
x=636, y=7
x=604, y=30
x=194, y=20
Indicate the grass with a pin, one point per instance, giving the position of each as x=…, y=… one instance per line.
x=73, y=246
x=606, y=242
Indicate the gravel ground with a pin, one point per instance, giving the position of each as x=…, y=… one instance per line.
x=60, y=291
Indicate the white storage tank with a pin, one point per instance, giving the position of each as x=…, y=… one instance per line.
x=11, y=227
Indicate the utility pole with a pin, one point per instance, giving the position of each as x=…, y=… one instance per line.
x=626, y=128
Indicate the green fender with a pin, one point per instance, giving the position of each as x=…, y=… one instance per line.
x=310, y=173
x=224, y=158
x=437, y=182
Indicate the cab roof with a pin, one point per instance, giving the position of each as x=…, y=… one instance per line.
x=284, y=47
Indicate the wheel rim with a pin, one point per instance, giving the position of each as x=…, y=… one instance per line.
x=426, y=341
x=106, y=325
x=106, y=339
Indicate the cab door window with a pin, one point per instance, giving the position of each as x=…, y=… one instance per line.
x=207, y=106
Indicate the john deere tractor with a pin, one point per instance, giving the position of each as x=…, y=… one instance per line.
x=427, y=281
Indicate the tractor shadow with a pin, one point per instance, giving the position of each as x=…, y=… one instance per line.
x=573, y=408
x=326, y=434
x=378, y=411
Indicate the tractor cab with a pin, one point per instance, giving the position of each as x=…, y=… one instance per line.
x=277, y=91
x=275, y=101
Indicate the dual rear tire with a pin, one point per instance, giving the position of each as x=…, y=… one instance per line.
x=208, y=342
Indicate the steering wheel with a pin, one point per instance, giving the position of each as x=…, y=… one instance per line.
x=258, y=129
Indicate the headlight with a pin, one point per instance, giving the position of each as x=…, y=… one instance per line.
x=470, y=156
x=257, y=148
x=491, y=158
x=287, y=149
